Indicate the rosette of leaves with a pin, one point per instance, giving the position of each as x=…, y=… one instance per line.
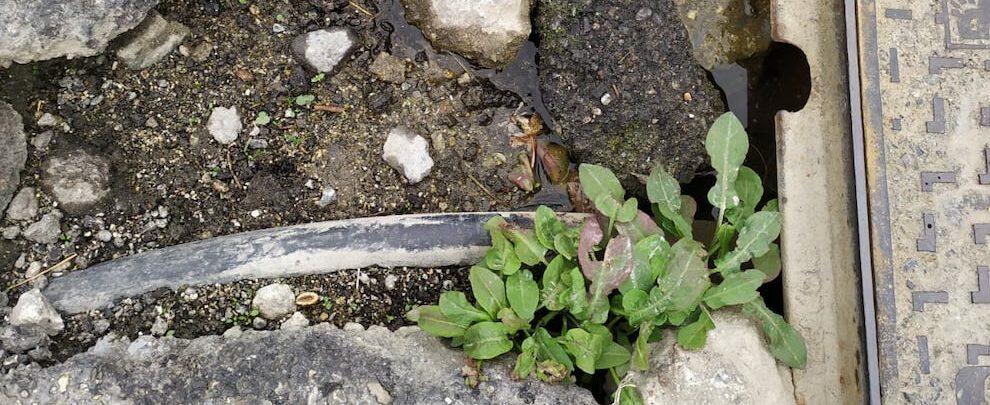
x=578, y=300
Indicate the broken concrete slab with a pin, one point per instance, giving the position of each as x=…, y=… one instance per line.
x=151, y=41
x=13, y=152
x=490, y=32
x=734, y=367
x=319, y=364
x=45, y=29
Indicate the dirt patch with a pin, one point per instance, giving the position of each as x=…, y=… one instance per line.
x=173, y=183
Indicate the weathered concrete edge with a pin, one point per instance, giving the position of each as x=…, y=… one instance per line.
x=817, y=190
x=428, y=240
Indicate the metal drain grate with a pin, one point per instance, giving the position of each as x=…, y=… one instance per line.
x=924, y=68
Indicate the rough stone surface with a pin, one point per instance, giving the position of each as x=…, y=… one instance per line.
x=408, y=153
x=726, y=31
x=151, y=41
x=46, y=29
x=13, y=149
x=318, y=364
x=322, y=50
x=20, y=339
x=78, y=180
x=45, y=230
x=33, y=309
x=24, y=206
x=388, y=68
x=734, y=367
x=274, y=301
x=224, y=124
x=295, y=322
x=592, y=48
x=489, y=32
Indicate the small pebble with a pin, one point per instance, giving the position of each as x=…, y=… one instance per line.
x=606, y=99
x=259, y=323
x=329, y=196
x=644, y=13
x=390, y=281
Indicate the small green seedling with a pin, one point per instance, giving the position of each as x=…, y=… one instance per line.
x=572, y=300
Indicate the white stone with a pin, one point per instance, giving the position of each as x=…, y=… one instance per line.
x=328, y=197
x=33, y=309
x=323, y=50
x=295, y=322
x=489, y=31
x=734, y=367
x=408, y=153
x=224, y=124
x=274, y=301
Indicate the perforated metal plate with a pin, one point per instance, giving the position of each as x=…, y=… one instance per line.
x=925, y=93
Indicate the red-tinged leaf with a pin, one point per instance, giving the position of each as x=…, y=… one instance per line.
x=591, y=234
x=617, y=264
x=640, y=228
x=555, y=160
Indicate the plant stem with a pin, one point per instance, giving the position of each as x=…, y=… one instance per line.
x=615, y=376
x=546, y=318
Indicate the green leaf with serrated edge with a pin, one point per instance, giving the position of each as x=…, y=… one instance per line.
x=528, y=248
x=663, y=189
x=615, y=268
x=455, y=306
x=639, y=228
x=786, y=344
x=736, y=288
x=598, y=329
x=644, y=309
x=554, y=288
x=547, y=348
x=769, y=263
x=772, y=206
x=749, y=186
x=585, y=347
x=523, y=294
x=502, y=256
x=566, y=243
x=613, y=355
x=686, y=279
x=513, y=323
x=488, y=289
x=547, y=226
x=677, y=318
x=577, y=295
x=629, y=395
x=526, y=359
x=486, y=340
x=693, y=335
x=598, y=181
x=754, y=240
x=628, y=211
x=649, y=253
x=726, y=144
x=432, y=321
x=641, y=349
